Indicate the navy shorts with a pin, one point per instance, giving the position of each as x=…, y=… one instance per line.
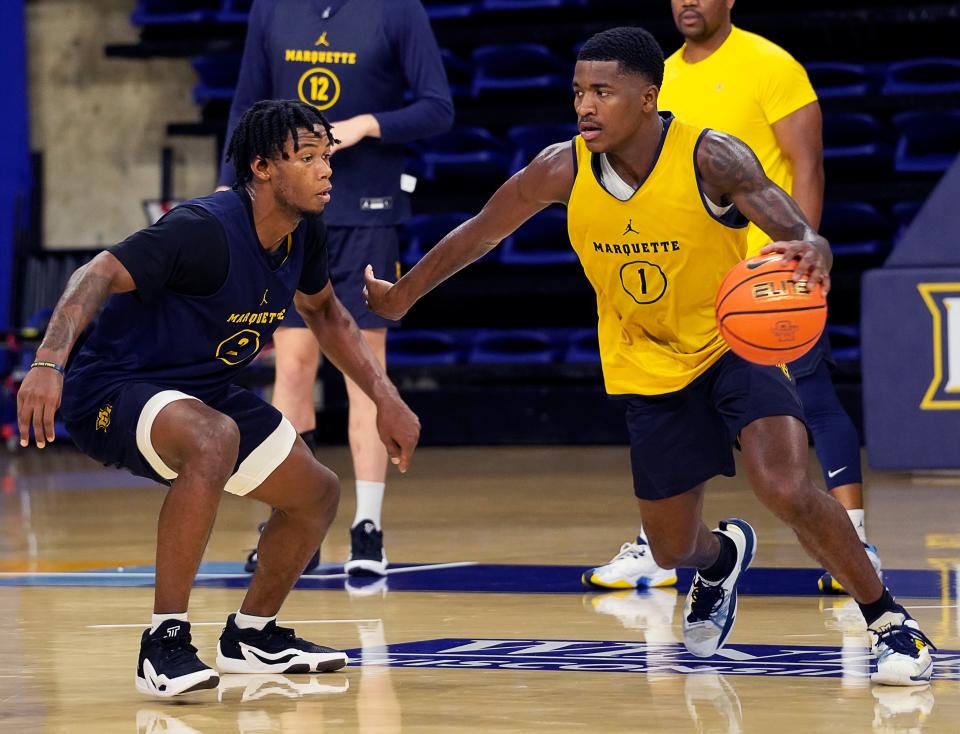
x=684, y=438
x=808, y=363
x=118, y=433
x=351, y=249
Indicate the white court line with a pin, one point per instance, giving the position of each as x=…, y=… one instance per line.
x=141, y=625
x=911, y=606
x=150, y=575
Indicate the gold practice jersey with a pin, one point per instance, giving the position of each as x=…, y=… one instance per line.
x=655, y=262
x=742, y=88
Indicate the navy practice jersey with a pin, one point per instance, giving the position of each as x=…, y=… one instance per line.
x=186, y=336
x=347, y=58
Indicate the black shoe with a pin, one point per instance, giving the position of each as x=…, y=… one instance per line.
x=272, y=650
x=168, y=664
x=251, y=564
x=366, y=551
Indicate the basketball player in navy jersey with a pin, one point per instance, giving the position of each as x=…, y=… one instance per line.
x=688, y=398
x=188, y=303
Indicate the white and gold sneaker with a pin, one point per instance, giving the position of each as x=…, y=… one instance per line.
x=902, y=650
x=633, y=567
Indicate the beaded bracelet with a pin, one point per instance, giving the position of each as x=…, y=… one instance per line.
x=51, y=365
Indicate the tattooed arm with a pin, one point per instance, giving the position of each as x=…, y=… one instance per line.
x=86, y=291
x=731, y=173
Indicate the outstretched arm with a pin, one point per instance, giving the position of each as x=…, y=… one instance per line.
x=341, y=341
x=86, y=291
x=730, y=172
x=547, y=180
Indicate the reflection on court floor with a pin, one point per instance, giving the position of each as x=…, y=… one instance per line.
x=485, y=626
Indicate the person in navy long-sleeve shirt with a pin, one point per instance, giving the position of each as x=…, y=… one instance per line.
x=374, y=68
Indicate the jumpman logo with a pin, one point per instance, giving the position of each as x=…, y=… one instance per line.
x=629, y=228
x=322, y=41
x=263, y=299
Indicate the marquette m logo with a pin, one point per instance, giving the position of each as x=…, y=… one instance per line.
x=943, y=300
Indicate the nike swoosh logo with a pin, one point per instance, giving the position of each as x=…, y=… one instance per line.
x=832, y=474
x=284, y=656
x=273, y=661
x=754, y=264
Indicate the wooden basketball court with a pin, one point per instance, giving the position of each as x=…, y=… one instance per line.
x=482, y=624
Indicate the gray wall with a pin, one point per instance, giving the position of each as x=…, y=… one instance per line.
x=101, y=122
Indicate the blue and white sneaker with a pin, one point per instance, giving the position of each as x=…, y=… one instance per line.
x=272, y=650
x=711, y=608
x=367, y=557
x=168, y=664
x=633, y=567
x=829, y=585
x=902, y=650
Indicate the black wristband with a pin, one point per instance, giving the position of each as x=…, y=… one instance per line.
x=51, y=365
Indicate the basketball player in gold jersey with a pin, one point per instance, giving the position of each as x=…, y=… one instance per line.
x=731, y=80
x=688, y=193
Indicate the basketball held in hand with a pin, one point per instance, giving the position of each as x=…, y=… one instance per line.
x=765, y=315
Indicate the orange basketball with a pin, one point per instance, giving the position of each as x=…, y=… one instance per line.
x=765, y=315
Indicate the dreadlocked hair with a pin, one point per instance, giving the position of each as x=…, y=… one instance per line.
x=263, y=130
x=632, y=47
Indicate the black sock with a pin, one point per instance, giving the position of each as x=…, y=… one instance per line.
x=723, y=566
x=310, y=438
x=876, y=609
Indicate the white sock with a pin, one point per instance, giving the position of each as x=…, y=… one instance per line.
x=159, y=619
x=643, y=536
x=369, y=502
x=857, y=518
x=251, y=621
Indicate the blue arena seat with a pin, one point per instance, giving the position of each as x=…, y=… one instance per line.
x=423, y=231
x=459, y=73
x=234, y=11
x=174, y=12
x=446, y=9
x=582, y=347
x=929, y=140
x=923, y=76
x=530, y=4
x=514, y=346
x=844, y=342
x=528, y=140
x=855, y=144
x=519, y=67
x=904, y=212
x=464, y=151
x=833, y=79
x=855, y=228
x=422, y=347
x=542, y=240
x=218, y=77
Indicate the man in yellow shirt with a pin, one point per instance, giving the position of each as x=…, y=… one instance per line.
x=688, y=398
x=731, y=80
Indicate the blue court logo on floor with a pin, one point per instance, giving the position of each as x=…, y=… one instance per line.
x=588, y=656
